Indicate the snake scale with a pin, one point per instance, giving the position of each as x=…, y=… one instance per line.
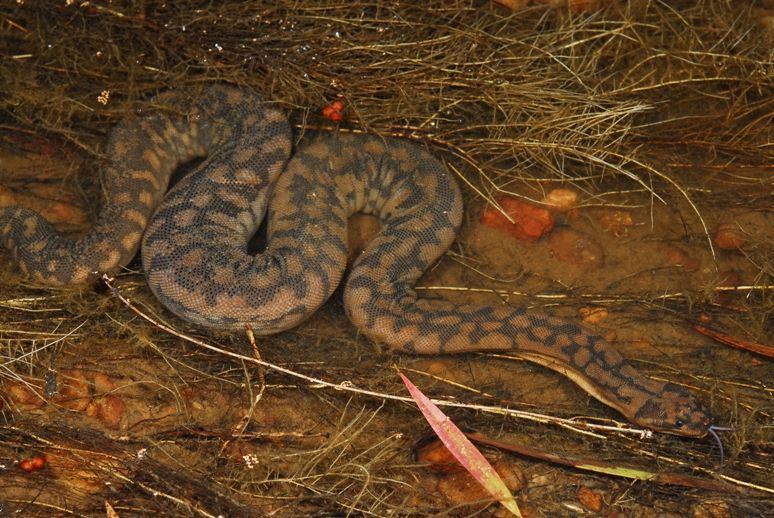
x=196, y=260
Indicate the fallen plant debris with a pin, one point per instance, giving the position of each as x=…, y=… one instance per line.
x=462, y=449
x=613, y=469
x=723, y=338
x=655, y=117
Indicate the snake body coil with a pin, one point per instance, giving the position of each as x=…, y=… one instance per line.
x=196, y=260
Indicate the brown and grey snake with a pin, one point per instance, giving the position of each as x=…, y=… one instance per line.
x=196, y=260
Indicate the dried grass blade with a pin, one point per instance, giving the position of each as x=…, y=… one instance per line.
x=596, y=466
x=737, y=343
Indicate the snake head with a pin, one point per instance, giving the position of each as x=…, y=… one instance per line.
x=675, y=411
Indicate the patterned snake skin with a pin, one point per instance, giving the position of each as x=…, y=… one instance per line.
x=194, y=248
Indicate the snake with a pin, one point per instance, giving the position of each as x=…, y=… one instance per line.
x=194, y=240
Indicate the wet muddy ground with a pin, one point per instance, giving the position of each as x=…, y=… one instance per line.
x=645, y=122
x=123, y=411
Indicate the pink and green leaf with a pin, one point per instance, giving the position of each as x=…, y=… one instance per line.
x=462, y=449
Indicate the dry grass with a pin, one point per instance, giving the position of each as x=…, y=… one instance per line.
x=667, y=102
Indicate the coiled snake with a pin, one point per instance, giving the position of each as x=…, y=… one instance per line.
x=194, y=248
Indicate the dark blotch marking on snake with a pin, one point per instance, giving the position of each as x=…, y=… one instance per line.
x=196, y=260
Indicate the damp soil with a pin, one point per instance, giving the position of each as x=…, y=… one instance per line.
x=116, y=404
x=653, y=115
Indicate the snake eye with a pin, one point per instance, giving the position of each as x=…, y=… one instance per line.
x=679, y=423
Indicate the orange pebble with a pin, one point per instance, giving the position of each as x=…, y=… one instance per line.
x=332, y=114
x=22, y=394
x=576, y=248
x=38, y=462
x=590, y=499
x=593, y=315
x=561, y=199
x=530, y=223
x=676, y=256
x=729, y=237
x=437, y=456
x=73, y=390
x=617, y=222
x=334, y=111
x=109, y=410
